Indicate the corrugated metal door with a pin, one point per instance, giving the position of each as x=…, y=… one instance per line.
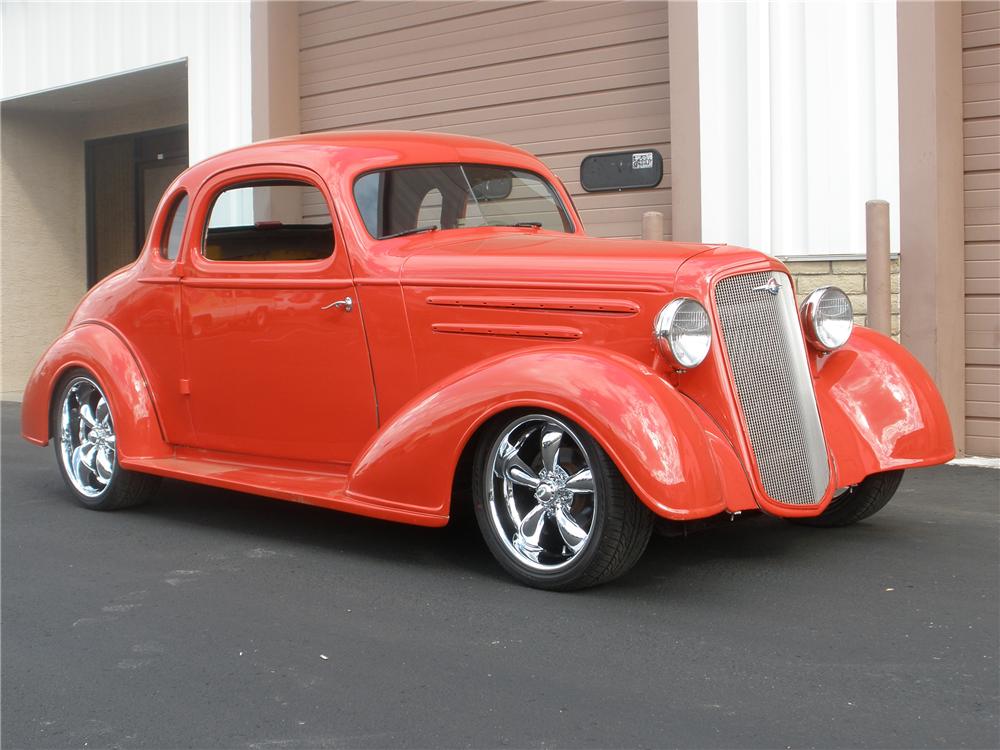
x=561, y=80
x=981, y=96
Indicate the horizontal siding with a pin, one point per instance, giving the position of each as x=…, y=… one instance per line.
x=981, y=131
x=561, y=80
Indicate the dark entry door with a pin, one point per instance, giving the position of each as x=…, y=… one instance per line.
x=126, y=175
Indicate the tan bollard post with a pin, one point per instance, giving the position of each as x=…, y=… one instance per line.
x=652, y=225
x=878, y=281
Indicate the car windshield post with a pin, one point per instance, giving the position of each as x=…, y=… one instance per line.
x=472, y=194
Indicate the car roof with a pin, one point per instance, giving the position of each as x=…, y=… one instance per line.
x=357, y=151
x=389, y=138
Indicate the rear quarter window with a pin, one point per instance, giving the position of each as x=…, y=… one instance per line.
x=173, y=231
x=269, y=221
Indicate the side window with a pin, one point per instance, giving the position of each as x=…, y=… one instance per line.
x=367, y=192
x=173, y=231
x=272, y=220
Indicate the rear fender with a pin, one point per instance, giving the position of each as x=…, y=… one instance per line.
x=673, y=456
x=880, y=408
x=101, y=351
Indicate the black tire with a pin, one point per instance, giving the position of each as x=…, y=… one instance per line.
x=858, y=503
x=619, y=524
x=124, y=488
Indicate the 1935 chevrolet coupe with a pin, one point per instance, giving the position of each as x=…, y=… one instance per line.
x=394, y=324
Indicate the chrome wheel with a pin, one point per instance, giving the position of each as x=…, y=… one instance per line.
x=540, y=492
x=87, y=445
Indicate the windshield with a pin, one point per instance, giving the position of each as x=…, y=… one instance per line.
x=405, y=200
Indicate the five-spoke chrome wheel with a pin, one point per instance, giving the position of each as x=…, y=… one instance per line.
x=540, y=492
x=87, y=443
x=552, y=506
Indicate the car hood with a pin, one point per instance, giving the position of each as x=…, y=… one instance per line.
x=519, y=257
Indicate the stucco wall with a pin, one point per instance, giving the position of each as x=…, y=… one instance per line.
x=42, y=238
x=43, y=266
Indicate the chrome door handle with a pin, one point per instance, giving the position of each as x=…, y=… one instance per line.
x=346, y=304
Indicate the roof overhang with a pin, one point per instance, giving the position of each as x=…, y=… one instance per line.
x=155, y=83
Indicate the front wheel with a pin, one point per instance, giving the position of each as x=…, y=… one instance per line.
x=553, y=508
x=858, y=502
x=87, y=448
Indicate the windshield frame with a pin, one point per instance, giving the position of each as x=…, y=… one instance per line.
x=568, y=215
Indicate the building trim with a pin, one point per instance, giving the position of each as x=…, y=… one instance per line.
x=27, y=96
x=828, y=257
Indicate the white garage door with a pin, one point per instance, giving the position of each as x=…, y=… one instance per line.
x=559, y=79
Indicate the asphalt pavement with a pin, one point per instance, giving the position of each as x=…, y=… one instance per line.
x=211, y=619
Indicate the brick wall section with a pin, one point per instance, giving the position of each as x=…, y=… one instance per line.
x=849, y=275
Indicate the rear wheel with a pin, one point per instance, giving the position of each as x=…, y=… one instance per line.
x=86, y=448
x=858, y=502
x=551, y=505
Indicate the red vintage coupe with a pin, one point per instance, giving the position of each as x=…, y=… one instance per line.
x=396, y=324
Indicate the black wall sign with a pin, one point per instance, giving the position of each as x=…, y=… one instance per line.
x=625, y=170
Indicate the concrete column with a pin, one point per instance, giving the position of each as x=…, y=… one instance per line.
x=274, y=54
x=932, y=279
x=878, y=279
x=685, y=121
x=274, y=92
x=652, y=225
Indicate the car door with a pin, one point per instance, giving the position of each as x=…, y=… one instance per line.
x=276, y=357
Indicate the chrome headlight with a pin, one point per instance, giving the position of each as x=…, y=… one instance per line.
x=827, y=318
x=683, y=333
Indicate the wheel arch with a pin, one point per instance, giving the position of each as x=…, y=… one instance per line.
x=662, y=444
x=881, y=409
x=101, y=352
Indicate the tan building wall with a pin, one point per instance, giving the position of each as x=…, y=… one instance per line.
x=981, y=132
x=43, y=261
x=559, y=79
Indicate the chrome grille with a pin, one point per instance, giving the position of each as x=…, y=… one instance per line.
x=763, y=342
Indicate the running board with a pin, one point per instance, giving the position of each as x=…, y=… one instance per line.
x=322, y=487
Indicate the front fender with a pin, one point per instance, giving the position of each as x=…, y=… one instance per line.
x=673, y=456
x=880, y=409
x=101, y=351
